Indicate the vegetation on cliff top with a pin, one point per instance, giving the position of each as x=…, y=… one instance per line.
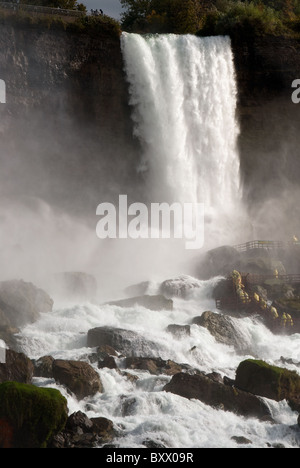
x=65, y=4
x=211, y=17
x=92, y=25
x=236, y=18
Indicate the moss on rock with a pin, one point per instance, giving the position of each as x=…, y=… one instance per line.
x=33, y=414
x=261, y=378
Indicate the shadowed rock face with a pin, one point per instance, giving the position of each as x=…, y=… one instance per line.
x=66, y=120
x=269, y=139
x=126, y=342
x=217, y=394
x=22, y=302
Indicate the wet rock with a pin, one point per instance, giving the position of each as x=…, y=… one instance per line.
x=179, y=331
x=83, y=432
x=155, y=302
x=268, y=381
x=149, y=443
x=224, y=259
x=43, y=367
x=216, y=394
x=155, y=366
x=30, y=416
x=132, y=378
x=102, y=353
x=216, y=377
x=104, y=428
x=126, y=342
x=8, y=335
x=289, y=361
x=241, y=440
x=17, y=367
x=219, y=262
x=182, y=286
x=128, y=405
x=222, y=328
x=107, y=361
x=21, y=303
x=79, y=423
x=78, y=376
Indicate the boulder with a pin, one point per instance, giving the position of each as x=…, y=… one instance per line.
x=268, y=381
x=30, y=416
x=17, y=367
x=216, y=394
x=241, y=440
x=83, y=432
x=43, y=367
x=179, y=331
x=108, y=362
x=222, y=260
x=221, y=327
x=219, y=262
x=104, y=428
x=75, y=286
x=79, y=377
x=182, y=286
x=155, y=302
x=126, y=342
x=21, y=303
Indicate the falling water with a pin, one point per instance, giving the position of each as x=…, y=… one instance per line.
x=183, y=98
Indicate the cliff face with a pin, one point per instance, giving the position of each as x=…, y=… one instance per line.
x=270, y=138
x=66, y=133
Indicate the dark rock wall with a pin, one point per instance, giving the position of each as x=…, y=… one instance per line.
x=270, y=131
x=65, y=130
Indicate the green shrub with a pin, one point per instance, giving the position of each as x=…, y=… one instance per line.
x=243, y=19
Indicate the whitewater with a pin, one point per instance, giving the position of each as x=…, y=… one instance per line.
x=165, y=418
x=182, y=92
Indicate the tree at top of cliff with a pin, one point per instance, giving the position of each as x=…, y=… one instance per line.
x=173, y=16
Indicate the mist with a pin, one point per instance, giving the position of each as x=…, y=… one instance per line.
x=66, y=149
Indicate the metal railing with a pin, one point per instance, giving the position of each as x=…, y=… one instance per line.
x=265, y=244
x=17, y=7
x=260, y=244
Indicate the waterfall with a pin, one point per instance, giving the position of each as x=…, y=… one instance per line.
x=183, y=97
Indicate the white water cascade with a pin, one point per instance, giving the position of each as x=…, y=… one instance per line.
x=183, y=97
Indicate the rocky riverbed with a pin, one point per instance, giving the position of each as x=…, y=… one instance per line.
x=114, y=384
